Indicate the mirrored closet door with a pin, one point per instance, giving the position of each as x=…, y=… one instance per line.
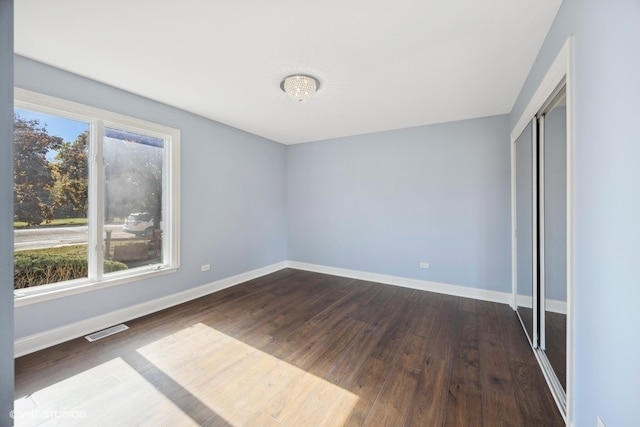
x=553, y=234
x=540, y=162
x=525, y=164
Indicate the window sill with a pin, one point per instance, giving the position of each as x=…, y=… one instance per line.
x=34, y=295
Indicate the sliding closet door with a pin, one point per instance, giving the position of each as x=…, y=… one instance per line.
x=526, y=249
x=542, y=226
x=553, y=224
x=541, y=237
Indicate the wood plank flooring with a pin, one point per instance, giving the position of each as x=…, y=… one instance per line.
x=296, y=348
x=556, y=340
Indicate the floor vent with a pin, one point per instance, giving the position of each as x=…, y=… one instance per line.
x=106, y=332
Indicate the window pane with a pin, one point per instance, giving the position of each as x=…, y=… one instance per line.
x=50, y=198
x=133, y=187
x=71, y=185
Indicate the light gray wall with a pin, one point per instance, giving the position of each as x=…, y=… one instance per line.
x=6, y=211
x=384, y=202
x=232, y=200
x=607, y=202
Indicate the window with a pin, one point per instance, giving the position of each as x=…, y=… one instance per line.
x=95, y=198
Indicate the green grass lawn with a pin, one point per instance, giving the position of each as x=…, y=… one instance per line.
x=62, y=222
x=72, y=250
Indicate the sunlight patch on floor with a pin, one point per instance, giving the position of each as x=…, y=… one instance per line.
x=100, y=396
x=196, y=376
x=244, y=385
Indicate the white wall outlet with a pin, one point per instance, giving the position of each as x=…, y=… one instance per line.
x=205, y=267
x=600, y=422
x=424, y=265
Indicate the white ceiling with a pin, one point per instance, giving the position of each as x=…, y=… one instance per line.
x=381, y=64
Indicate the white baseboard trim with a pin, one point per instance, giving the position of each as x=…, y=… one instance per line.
x=59, y=335
x=552, y=305
x=556, y=306
x=423, y=285
x=64, y=333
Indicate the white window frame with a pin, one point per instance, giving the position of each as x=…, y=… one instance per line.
x=98, y=119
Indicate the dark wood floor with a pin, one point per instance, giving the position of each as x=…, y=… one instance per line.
x=555, y=339
x=296, y=348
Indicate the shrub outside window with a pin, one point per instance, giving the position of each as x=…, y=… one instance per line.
x=95, y=198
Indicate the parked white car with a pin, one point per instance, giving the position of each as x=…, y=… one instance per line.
x=140, y=223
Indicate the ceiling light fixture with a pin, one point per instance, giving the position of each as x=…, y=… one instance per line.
x=300, y=87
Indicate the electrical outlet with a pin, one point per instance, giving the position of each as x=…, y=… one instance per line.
x=601, y=423
x=205, y=267
x=424, y=265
